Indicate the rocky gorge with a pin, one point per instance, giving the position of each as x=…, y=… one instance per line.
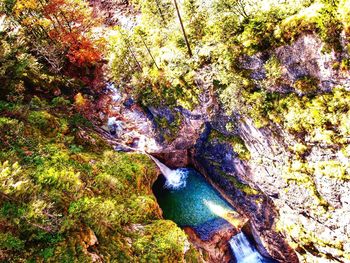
x=175, y=131
x=283, y=214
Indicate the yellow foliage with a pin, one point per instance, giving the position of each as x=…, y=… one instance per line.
x=25, y=5
x=79, y=100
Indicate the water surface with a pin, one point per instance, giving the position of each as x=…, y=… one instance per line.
x=192, y=205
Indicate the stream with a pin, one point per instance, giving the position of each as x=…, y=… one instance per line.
x=184, y=195
x=189, y=200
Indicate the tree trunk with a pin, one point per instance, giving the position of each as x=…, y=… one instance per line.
x=160, y=11
x=149, y=52
x=183, y=29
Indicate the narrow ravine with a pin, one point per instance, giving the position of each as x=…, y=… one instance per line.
x=183, y=194
x=186, y=198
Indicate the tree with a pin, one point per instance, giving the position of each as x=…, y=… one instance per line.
x=60, y=31
x=238, y=7
x=183, y=29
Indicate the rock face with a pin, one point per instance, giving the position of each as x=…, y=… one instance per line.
x=280, y=210
x=174, y=159
x=218, y=162
x=304, y=57
x=215, y=247
x=88, y=241
x=311, y=217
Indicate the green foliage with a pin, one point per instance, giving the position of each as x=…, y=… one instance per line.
x=65, y=180
x=37, y=104
x=344, y=12
x=320, y=18
x=169, y=129
x=60, y=186
x=9, y=129
x=345, y=64
x=306, y=84
x=8, y=241
x=237, y=184
x=321, y=118
x=273, y=71
x=231, y=95
x=12, y=180
x=164, y=236
x=40, y=119
x=60, y=102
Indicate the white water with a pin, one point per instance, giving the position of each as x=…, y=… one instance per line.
x=175, y=179
x=243, y=250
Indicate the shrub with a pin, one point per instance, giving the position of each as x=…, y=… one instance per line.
x=273, y=71
x=65, y=179
x=345, y=64
x=10, y=130
x=163, y=236
x=13, y=181
x=8, y=241
x=37, y=104
x=236, y=142
x=42, y=120
x=60, y=102
x=306, y=84
x=100, y=214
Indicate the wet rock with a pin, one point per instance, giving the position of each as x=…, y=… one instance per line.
x=129, y=103
x=218, y=162
x=174, y=159
x=212, y=240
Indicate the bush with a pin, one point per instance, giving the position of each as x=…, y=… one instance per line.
x=273, y=71
x=60, y=102
x=65, y=179
x=8, y=241
x=306, y=84
x=42, y=120
x=37, y=104
x=166, y=238
x=10, y=130
x=320, y=18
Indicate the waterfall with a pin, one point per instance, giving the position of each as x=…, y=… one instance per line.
x=244, y=252
x=175, y=179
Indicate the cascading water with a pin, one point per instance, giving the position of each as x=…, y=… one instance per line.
x=243, y=250
x=189, y=200
x=175, y=179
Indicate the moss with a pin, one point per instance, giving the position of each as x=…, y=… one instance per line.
x=36, y=103
x=306, y=238
x=60, y=102
x=301, y=173
x=192, y=255
x=318, y=17
x=65, y=184
x=236, y=143
x=243, y=187
x=273, y=69
x=299, y=149
x=42, y=120
x=164, y=236
x=345, y=64
x=170, y=130
x=332, y=168
x=237, y=184
x=10, y=242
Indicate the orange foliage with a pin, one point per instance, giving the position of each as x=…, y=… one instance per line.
x=68, y=26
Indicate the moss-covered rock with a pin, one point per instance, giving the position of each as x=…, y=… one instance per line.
x=59, y=178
